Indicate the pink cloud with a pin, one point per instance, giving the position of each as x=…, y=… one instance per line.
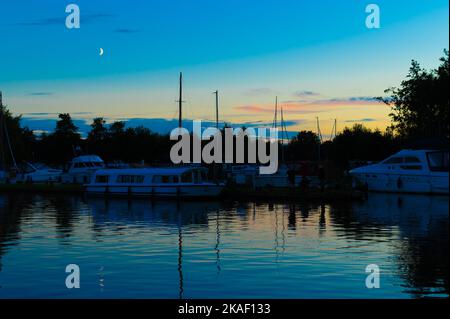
x=313, y=106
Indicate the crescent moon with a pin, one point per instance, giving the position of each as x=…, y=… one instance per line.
x=101, y=51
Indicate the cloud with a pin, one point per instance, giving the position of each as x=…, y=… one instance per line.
x=363, y=98
x=361, y=120
x=260, y=91
x=37, y=124
x=37, y=115
x=305, y=106
x=306, y=93
x=158, y=125
x=126, y=30
x=52, y=21
x=40, y=93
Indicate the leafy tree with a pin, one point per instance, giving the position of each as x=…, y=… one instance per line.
x=99, y=131
x=21, y=139
x=361, y=143
x=59, y=147
x=304, y=146
x=117, y=128
x=420, y=106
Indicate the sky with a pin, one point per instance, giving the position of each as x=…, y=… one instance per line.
x=317, y=57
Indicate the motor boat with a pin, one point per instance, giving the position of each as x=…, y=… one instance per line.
x=249, y=175
x=82, y=168
x=408, y=171
x=159, y=182
x=35, y=173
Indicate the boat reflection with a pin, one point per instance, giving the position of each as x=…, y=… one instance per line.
x=414, y=228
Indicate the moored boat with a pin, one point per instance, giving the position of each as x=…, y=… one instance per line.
x=159, y=182
x=82, y=168
x=408, y=171
x=35, y=173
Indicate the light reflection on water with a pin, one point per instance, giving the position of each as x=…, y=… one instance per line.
x=162, y=249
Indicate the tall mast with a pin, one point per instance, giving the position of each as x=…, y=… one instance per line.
x=217, y=108
x=5, y=135
x=180, y=102
x=335, y=127
x=319, y=134
x=2, y=150
x=275, y=119
x=282, y=135
x=332, y=130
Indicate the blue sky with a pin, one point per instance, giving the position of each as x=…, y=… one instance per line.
x=318, y=57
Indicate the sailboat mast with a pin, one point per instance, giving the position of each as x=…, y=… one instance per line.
x=5, y=135
x=2, y=150
x=282, y=136
x=217, y=108
x=335, y=127
x=180, y=102
x=275, y=119
x=319, y=133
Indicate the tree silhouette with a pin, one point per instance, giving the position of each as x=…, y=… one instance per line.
x=420, y=106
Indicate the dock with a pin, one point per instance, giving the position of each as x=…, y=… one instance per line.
x=230, y=192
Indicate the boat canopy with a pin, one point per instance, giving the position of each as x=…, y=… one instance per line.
x=87, y=158
x=149, y=171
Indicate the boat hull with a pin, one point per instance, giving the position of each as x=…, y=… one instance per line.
x=404, y=183
x=193, y=191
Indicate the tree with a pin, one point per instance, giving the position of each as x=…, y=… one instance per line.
x=59, y=146
x=21, y=139
x=361, y=143
x=420, y=106
x=117, y=128
x=65, y=126
x=304, y=146
x=98, y=131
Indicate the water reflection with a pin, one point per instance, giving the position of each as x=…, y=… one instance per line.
x=143, y=248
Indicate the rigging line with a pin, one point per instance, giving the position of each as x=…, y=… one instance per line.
x=332, y=131
x=3, y=119
x=275, y=119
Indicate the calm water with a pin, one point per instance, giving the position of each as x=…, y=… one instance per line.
x=144, y=249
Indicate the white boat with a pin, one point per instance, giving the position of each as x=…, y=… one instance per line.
x=249, y=175
x=39, y=174
x=82, y=168
x=408, y=171
x=160, y=182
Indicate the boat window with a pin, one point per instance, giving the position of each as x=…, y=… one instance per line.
x=186, y=177
x=101, y=179
x=204, y=176
x=165, y=179
x=130, y=179
x=411, y=167
x=411, y=159
x=196, y=176
x=394, y=160
x=438, y=161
